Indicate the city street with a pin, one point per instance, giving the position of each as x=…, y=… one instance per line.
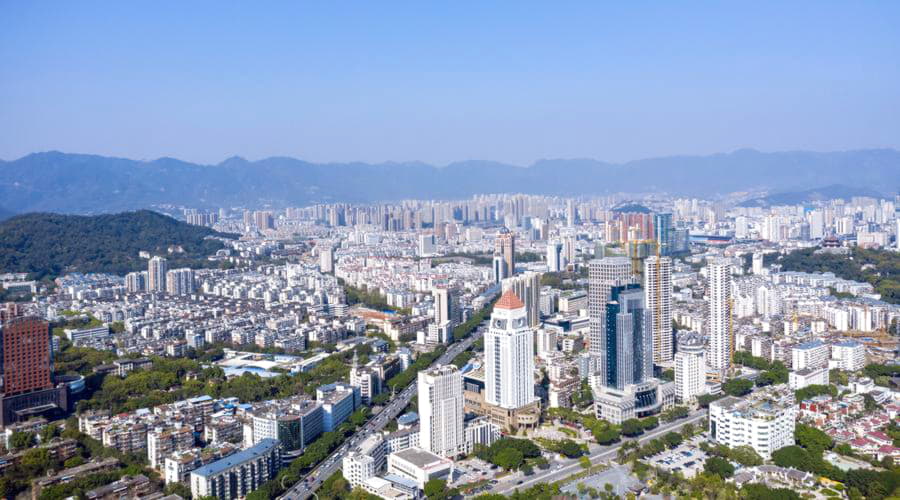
x=565, y=468
x=304, y=489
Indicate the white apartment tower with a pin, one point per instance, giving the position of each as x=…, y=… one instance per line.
x=603, y=275
x=719, y=306
x=156, y=274
x=690, y=367
x=326, y=259
x=180, y=281
x=446, y=307
x=658, y=300
x=527, y=287
x=509, y=355
x=441, y=411
x=555, y=261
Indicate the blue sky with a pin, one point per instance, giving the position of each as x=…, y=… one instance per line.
x=399, y=81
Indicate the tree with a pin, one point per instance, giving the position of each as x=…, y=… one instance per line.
x=180, y=489
x=674, y=413
x=607, y=436
x=509, y=458
x=814, y=440
x=746, y=456
x=435, y=488
x=49, y=432
x=74, y=462
x=793, y=456
x=585, y=462
x=21, y=440
x=737, y=387
x=718, y=466
x=705, y=399
x=632, y=427
x=756, y=491
x=672, y=439
x=650, y=423
x=570, y=448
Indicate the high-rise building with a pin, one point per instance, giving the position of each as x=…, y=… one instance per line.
x=554, y=256
x=690, y=367
x=758, y=263
x=237, y=475
x=662, y=225
x=527, y=287
x=570, y=213
x=603, y=275
x=156, y=274
x=446, y=307
x=136, y=282
x=626, y=344
x=721, y=341
x=264, y=220
x=26, y=384
x=658, y=300
x=505, y=247
x=509, y=355
x=180, y=281
x=426, y=244
x=547, y=342
x=441, y=411
x=326, y=258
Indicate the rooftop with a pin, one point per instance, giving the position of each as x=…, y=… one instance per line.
x=509, y=300
x=261, y=448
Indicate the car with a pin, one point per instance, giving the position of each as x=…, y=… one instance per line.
x=519, y=482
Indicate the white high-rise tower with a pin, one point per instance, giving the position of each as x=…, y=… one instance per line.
x=509, y=355
x=690, y=367
x=720, y=327
x=156, y=274
x=658, y=300
x=441, y=411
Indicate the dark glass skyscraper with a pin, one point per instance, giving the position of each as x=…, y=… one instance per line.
x=626, y=344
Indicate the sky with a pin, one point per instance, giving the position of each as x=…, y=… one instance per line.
x=446, y=81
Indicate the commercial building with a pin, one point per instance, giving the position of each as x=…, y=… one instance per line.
x=295, y=422
x=237, y=475
x=509, y=355
x=419, y=465
x=26, y=371
x=527, y=287
x=504, y=255
x=366, y=460
x=446, y=307
x=658, y=300
x=764, y=421
x=338, y=403
x=603, y=275
x=441, y=411
x=721, y=335
x=690, y=367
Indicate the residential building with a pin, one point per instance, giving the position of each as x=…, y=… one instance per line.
x=764, y=421
x=690, y=367
x=156, y=274
x=658, y=300
x=813, y=354
x=721, y=335
x=527, y=287
x=441, y=411
x=849, y=356
x=237, y=475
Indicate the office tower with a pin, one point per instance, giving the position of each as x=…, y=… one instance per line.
x=326, y=258
x=441, y=411
x=509, y=355
x=156, y=274
x=426, y=244
x=658, y=300
x=603, y=275
x=690, y=367
x=626, y=344
x=662, y=225
x=527, y=287
x=446, y=307
x=719, y=306
x=26, y=368
x=180, y=281
x=554, y=256
x=505, y=247
x=570, y=213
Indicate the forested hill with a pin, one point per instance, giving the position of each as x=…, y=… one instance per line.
x=51, y=244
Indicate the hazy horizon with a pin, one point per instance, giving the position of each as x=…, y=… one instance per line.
x=442, y=83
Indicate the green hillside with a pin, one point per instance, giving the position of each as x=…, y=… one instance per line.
x=52, y=244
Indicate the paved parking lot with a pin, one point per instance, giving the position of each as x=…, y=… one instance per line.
x=686, y=458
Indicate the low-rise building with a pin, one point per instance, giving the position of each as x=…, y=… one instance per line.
x=764, y=420
x=419, y=465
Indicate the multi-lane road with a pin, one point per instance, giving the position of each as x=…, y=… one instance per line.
x=305, y=488
x=565, y=468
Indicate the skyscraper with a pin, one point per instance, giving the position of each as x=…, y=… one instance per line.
x=326, y=258
x=719, y=306
x=156, y=274
x=527, y=288
x=626, y=344
x=658, y=300
x=505, y=247
x=570, y=213
x=554, y=256
x=446, y=306
x=509, y=355
x=441, y=411
x=26, y=368
x=690, y=367
x=603, y=275
x=662, y=225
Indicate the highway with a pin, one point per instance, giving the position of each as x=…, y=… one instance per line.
x=304, y=489
x=565, y=468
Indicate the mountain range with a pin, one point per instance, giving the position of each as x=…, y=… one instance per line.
x=833, y=192
x=79, y=183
